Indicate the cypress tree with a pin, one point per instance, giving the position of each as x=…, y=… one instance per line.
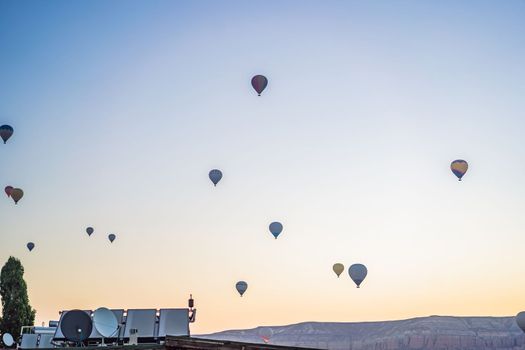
x=16, y=311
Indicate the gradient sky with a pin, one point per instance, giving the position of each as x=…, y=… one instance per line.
x=121, y=108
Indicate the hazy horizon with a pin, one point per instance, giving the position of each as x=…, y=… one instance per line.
x=121, y=108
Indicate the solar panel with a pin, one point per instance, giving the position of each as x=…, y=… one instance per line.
x=29, y=341
x=45, y=341
x=143, y=320
x=173, y=322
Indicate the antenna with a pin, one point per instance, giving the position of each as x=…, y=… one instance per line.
x=193, y=312
x=8, y=339
x=76, y=326
x=105, y=323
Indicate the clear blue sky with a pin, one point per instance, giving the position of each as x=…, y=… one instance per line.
x=121, y=108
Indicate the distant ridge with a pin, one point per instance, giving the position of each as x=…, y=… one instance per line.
x=422, y=333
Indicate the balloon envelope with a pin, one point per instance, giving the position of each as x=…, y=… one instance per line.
x=259, y=83
x=338, y=269
x=215, y=176
x=5, y=132
x=459, y=167
x=30, y=246
x=276, y=228
x=357, y=273
x=90, y=231
x=520, y=320
x=111, y=237
x=241, y=287
x=266, y=334
x=17, y=194
x=8, y=190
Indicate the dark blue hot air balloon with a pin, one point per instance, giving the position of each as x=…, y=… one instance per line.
x=241, y=287
x=215, y=176
x=6, y=131
x=358, y=273
x=276, y=228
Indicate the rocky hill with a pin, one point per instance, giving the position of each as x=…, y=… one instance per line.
x=425, y=333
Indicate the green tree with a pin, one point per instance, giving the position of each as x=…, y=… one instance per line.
x=16, y=311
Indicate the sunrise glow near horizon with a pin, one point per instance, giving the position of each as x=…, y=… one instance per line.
x=120, y=109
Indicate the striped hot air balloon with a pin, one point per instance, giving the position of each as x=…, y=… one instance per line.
x=459, y=167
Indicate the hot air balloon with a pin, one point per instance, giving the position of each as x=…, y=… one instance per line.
x=357, y=273
x=241, y=287
x=459, y=167
x=266, y=334
x=338, y=269
x=215, y=176
x=8, y=190
x=30, y=246
x=276, y=228
x=259, y=83
x=520, y=320
x=90, y=231
x=111, y=237
x=17, y=194
x=5, y=132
